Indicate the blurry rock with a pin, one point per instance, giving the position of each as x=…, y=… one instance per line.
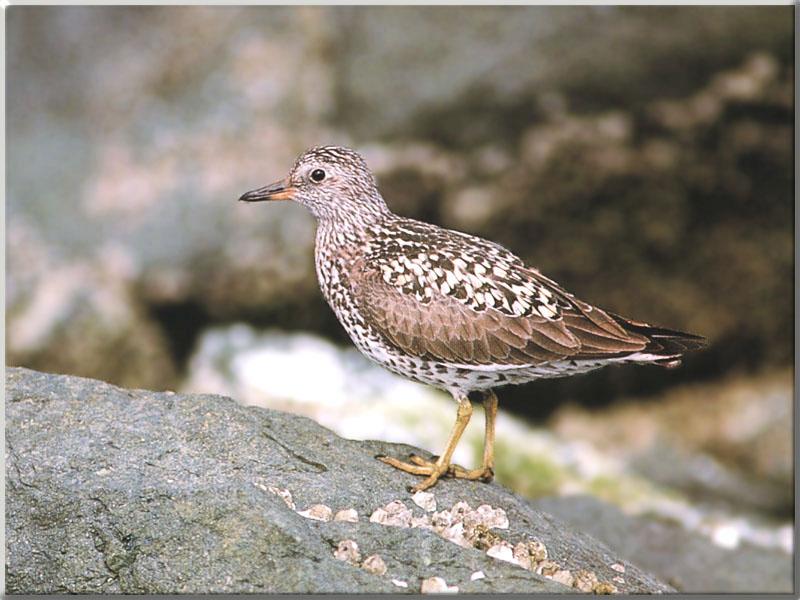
x=113, y=490
x=80, y=317
x=686, y=560
x=727, y=441
x=456, y=100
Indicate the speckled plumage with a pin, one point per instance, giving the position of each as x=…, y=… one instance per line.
x=446, y=308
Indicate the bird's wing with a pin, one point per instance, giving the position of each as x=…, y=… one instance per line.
x=447, y=330
x=469, y=301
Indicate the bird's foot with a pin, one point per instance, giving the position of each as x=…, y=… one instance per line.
x=418, y=465
x=485, y=473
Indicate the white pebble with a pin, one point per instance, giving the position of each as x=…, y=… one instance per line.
x=284, y=494
x=425, y=500
x=437, y=585
x=317, y=512
x=502, y=551
x=494, y=518
x=564, y=577
x=394, y=514
x=374, y=564
x=455, y=533
x=399, y=583
x=477, y=575
x=349, y=515
x=522, y=556
x=460, y=509
x=423, y=522
x=347, y=550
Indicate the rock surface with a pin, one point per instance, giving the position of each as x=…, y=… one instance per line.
x=114, y=490
x=686, y=560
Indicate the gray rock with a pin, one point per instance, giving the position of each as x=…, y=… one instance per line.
x=114, y=490
x=687, y=560
x=452, y=68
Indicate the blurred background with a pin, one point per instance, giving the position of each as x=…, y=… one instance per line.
x=641, y=156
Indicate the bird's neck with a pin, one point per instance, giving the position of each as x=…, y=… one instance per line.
x=339, y=233
x=353, y=223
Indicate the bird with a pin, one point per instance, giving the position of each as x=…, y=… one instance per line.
x=449, y=309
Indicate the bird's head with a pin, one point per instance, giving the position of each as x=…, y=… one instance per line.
x=333, y=182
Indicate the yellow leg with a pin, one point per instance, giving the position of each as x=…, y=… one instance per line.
x=435, y=470
x=486, y=472
x=441, y=466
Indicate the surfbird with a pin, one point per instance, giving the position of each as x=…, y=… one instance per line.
x=449, y=309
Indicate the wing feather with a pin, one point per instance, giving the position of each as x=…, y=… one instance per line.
x=445, y=329
x=455, y=327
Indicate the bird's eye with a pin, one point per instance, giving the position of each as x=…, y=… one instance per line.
x=317, y=175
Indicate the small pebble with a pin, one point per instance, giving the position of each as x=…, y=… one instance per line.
x=455, y=534
x=521, y=555
x=618, y=579
x=394, y=514
x=284, y=494
x=437, y=585
x=317, y=512
x=482, y=538
x=441, y=520
x=477, y=575
x=502, y=551
x=347, y=550
x=374, y=564
x=605, y=587
x=425, y=500
x=618, y=567
x=537, y=550
x=563, y=576
x=348, y=515
x=494, y=518
x=584, y=580
x=423, y=522
x=547, y=568
x=399, y=583
x=460, y=509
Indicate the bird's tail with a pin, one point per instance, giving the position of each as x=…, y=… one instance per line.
x=665, y=346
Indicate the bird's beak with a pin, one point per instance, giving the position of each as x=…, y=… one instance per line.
x=280, y=190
